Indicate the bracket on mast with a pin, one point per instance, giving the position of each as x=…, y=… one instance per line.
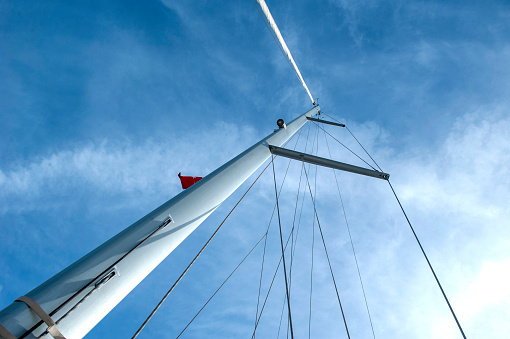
x=37, y=309
x=312, y=159
x=326, y=122
x=105, y=278
x=4, y=333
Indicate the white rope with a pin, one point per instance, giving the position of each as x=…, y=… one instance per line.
x=273, y=25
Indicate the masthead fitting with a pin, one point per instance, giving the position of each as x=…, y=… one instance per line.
x=281, y=123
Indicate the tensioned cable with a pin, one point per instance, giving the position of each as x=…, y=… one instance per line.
x=428, y=262
x=281, y=317
x=224, y=282
x=293, y=243
x=276, y=30
x=313, y=240
x=313, y=243
x=311, y=283
x=270, y=220
x=212, y=296
x=195, y=259
x=350, y=238
x=230, y=275
x=274, y=275
x=200, y=252
x=359, y=143
x=327, y=255
x=316, y=143
x=292, y=232
x=417, y=240
x=345, y=146
x=363, y=148
x=283, y=252
x=278, y=266
x=270, y=287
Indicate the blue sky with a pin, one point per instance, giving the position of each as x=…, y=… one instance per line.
x=103, y=103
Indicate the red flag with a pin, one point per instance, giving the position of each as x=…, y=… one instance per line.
x=188, y=181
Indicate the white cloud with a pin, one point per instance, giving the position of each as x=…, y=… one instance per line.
x=468, y=174
x=489, y=289
x=112, y=168
x=437, y=186
x=351, y=18
x=456, y=195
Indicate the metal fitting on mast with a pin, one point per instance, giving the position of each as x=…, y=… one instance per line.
x=281, y=124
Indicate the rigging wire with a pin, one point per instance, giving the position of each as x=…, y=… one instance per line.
x=359, y=143
x=292, y=233
x=315, y=145
x=283, y=252
x=327, y=255
x=267, y=231
x=277, y=268
x=281, y=317
x=428, y=262
x=416, y=237
x=263, y=237
x=345, y=146
x=201, y=250
x=293, y=243
x=217, y=290
x=311, y=283
x=302, y=201
x=230, y=275
x=350, y=238
x=364, y=149
x=270, y=287
x=194, y=259
x=313, y=243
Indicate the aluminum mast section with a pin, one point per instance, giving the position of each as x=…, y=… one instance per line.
x=125, y=260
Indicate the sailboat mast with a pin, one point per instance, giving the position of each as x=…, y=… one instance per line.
x=81, y=295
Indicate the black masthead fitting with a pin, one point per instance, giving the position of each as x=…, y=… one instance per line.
x=281, y=123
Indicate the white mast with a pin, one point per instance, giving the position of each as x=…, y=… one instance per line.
x=80, y=296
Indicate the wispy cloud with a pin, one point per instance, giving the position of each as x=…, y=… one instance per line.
x=351, y=11
x=116, y=168
x=469, y=171
x=456, y=197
